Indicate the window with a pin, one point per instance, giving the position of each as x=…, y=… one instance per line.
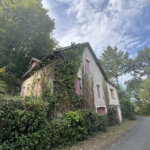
x=98, y=91
x=112, y=93
x=33, y=64
x=28, y=89
x=87, y=66
x=37, y=86
x=78, y=91
x=22, y=91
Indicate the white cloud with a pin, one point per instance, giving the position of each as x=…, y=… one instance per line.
x=103, y=23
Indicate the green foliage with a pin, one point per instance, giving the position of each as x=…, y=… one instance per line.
x=112, y=117
x=76, y=126
x=127, y=109
x=3, y=87
x=24, y=125
x=145, y=92
x=12, y=82
x=141, y=64
x=24, y=33
x=133, y=87
x=115, y=62
x=68, y=63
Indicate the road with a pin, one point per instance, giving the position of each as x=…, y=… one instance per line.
x=137, y=139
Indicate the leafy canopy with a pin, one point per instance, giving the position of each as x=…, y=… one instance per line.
x=25, y=32
x=115, y=62
x=141, y=65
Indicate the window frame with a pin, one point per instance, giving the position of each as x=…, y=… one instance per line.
x=88, y=67
x=99, y=91
x=80, y=85
x=112, y=94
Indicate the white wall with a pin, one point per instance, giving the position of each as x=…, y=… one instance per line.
x=98, y=79
x=97, y=76
x=115, y=100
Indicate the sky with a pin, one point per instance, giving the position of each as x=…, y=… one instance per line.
x=121, y=23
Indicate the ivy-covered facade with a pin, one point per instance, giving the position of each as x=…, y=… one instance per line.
x=70, y=78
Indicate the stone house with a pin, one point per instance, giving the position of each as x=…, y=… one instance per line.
x=91, y=67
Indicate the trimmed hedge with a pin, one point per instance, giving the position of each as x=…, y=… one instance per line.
x=24, y=125
x=111, y=117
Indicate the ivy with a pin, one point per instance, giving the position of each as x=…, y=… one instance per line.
x=67, y=64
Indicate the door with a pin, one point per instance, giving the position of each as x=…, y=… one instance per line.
x=101, y=110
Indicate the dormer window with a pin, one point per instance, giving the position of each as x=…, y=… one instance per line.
x=34, y=63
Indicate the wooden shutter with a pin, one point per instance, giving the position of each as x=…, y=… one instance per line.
x=98, y=91
x=38, y=86
x=112, y=94
x=87, y=66
x=33, y=64
x=78, y=91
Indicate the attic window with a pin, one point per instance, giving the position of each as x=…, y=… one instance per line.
x=33, y=64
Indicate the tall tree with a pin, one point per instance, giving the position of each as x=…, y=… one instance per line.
x=133, y=87
x=25, y=32
x=141, y=64
x=144, y=93
x=115, y=62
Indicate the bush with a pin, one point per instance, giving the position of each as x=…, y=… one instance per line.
x=74, y=126
x=111, y=117
x=24, y=125
x=127, y=109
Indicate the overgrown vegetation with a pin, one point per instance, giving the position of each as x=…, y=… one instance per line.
x=26, y=32
x=24, y=125
x=111, y=117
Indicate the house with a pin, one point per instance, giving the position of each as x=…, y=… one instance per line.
x=98, y=88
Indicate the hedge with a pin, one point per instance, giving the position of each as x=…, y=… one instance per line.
x=24, y=125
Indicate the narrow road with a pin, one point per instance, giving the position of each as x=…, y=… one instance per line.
x=137, y=139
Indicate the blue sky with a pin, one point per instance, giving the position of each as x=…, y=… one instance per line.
x=121, y=23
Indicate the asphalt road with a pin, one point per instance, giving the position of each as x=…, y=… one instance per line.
x=137, y=139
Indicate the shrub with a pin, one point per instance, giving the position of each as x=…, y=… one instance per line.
x=127, y=109
x=74, y=126
x=24, y=125
x=111, y=117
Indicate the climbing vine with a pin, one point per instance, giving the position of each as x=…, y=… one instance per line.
x=67, y=63
x=106, y=95
x=58, y=77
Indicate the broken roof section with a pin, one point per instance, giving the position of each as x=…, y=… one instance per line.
x=51, y=55
x=34, y=60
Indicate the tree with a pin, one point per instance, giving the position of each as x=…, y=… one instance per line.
x=115, y=62
x=144, y=93
x=133, y=87
x=141, y=64
x=3, y=87
x=8, y=82
x=25, y=32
